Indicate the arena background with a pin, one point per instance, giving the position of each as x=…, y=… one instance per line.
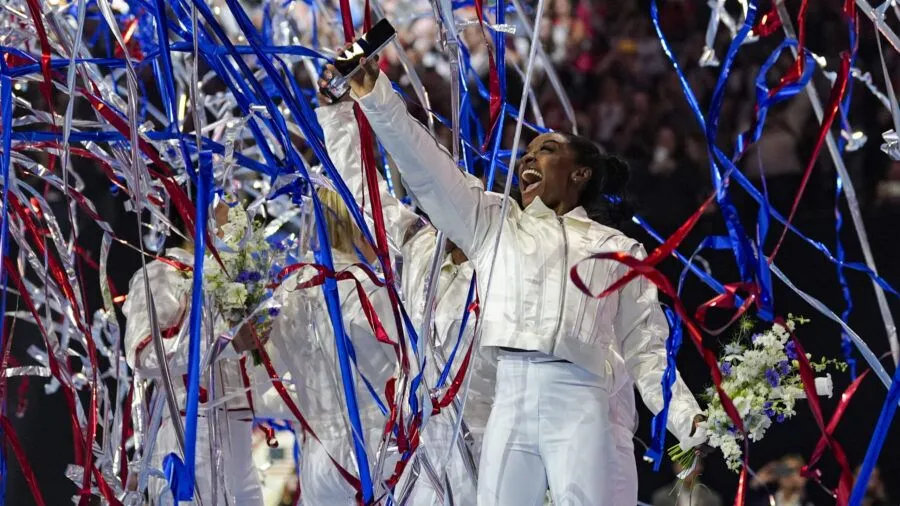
x=45, y=435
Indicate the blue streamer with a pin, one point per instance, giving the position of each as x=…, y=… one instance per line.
x=888, y=409
x=846, y=343
x=163, y=70
x=181, y=474
x=462, y=328
x=6, y=87
x=656, y=450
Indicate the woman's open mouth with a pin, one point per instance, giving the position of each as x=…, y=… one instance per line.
x=531, y=180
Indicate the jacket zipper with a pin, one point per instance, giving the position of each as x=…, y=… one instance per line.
x=562, y=285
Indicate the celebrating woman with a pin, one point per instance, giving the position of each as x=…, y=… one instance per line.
x=550, y=420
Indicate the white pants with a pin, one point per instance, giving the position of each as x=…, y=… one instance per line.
x=321, y=484
x=624, y=471
x=549, y=426
x=436, y=440
x=240, y=476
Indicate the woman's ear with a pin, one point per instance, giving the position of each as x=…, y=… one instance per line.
x=582, y=175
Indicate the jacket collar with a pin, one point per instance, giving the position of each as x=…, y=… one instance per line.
x=538, y=209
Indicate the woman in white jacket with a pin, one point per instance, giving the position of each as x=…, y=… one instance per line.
x=342, y=140
x=550, y=420
x=170, y=285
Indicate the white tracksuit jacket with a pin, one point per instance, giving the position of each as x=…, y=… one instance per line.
x=171, y=293
x=534, y=306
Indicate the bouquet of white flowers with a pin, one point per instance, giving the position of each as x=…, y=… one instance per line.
x=763, y=381
x=240, y=292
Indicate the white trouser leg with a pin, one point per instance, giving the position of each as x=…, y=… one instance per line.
x=625, y=477
x=320, y=481
x=575, y=435
x=437, y=439
x=240, y=476
x=511, y=472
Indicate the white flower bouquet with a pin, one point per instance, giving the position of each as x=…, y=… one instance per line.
x=762, y=379
x=240, y=293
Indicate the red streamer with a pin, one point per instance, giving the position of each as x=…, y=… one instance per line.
x=28, y=473
x=845, y=483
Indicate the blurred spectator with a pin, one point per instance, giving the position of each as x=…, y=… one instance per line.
x=690, y=492
x=780, y=481
x=876, y=492
x=610, y=111
x=777, y=155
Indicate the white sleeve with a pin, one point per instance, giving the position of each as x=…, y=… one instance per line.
x=642, y=329
x=170, y=292
x=291, y=350
x=456, y=202
x=343, y=145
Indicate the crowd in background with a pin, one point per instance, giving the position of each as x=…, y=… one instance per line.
x=627, y=97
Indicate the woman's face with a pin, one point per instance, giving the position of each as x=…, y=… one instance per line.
x=548, y=171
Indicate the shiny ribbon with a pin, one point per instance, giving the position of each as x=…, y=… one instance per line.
x=888, y=410
x=6, y=86
x=181, y=473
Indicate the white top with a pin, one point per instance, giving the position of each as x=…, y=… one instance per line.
x=171, y=290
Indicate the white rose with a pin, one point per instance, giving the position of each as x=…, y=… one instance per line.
x=824, y=386
x=234, y=296
x=743, y=405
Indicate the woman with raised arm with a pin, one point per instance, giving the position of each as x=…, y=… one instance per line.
x=550, y=420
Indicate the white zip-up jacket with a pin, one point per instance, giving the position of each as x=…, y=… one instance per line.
x=302, y=350
x=533, y=305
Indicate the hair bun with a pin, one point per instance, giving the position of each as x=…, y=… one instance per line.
x=616, y=175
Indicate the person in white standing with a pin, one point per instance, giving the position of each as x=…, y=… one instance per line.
x=170, y=285
x=415, y=241
x=549, y=424
x=302, y=350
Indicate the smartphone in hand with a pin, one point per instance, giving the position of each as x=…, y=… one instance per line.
x=347, y=62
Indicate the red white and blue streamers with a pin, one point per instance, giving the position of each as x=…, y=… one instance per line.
x=234, y=115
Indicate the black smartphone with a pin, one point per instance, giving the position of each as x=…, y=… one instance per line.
x=347, y=62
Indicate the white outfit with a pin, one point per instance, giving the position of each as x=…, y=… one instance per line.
x=171, y=295
x=415, y=240
x=623, y=418
x=534, y=307
x=303, y=353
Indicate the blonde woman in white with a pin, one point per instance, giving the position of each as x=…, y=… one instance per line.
x=414, y=241
x=302, y=350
